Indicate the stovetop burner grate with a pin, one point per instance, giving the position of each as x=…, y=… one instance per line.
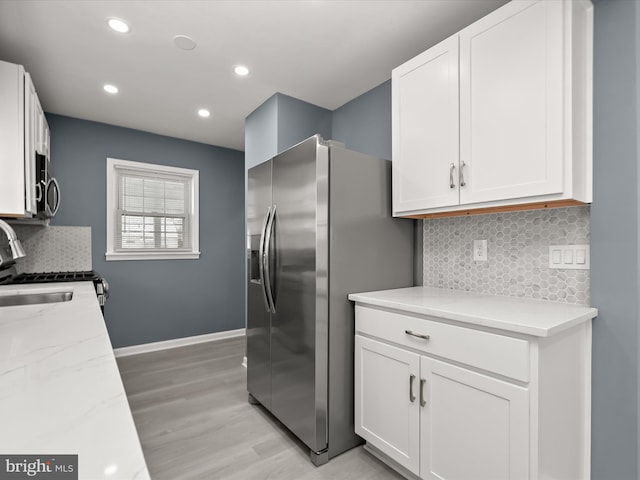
x=47, y=277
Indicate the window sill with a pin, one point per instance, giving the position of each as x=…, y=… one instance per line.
x=115, y=256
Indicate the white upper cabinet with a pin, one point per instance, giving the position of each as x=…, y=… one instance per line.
x=23, y=132
x=425, y=99
x=498, y=114
x=511, y=91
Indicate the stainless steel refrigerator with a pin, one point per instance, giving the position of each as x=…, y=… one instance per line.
x=319, y=227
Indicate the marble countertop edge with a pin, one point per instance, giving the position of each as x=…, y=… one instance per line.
x=62, y=391
x=520, y=315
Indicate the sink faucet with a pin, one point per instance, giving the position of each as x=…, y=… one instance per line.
x=16, y=247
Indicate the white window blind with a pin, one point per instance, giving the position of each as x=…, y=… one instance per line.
x=153, y=211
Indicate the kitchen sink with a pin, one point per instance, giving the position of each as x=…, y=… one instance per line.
x=34, y=298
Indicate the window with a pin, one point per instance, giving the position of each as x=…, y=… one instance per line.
x=152, y=211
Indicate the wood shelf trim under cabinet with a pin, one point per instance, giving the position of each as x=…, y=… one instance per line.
x=499, y=209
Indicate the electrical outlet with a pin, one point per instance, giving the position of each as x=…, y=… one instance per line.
x=480, y=250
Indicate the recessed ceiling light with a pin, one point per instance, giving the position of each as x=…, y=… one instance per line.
x=184, y=42
x=204, y=113
x=110, y=88
x=118, y=25
x=241, y=70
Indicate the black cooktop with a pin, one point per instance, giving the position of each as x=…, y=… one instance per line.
x=49, y=277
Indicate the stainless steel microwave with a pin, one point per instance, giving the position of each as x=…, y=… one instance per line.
x=47, y=188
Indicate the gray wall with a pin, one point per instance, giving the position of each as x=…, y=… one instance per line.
x=364, y=124
x=156, y=300
x=298, y=120
x=614, y=242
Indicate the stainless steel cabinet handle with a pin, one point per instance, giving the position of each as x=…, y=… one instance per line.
x=412, y=397
x=422, y=400
x=419, y=335
x=462, y=182
x=452, y=167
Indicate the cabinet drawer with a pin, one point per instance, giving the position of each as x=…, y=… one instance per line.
x=495, y=353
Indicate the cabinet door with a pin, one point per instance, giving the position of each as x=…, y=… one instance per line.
x=386, y=406
x=425, y=129
x=472, y=426
x=511, y=103
x=31, y=138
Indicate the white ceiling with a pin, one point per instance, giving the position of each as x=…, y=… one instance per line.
x=325, y=52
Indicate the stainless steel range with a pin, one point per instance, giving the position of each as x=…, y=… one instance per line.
x=99, y=283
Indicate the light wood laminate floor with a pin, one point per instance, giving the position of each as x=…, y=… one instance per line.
x=190, y=407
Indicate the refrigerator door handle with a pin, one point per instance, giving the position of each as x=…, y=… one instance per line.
x=267, y=262
x=261, y=256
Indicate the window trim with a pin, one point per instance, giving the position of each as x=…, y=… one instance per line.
x=112, y=208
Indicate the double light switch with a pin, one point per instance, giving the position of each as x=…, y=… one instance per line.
x=570, y=257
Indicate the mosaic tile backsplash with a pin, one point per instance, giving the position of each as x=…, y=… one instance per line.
x=518, y=254
x=54, y=248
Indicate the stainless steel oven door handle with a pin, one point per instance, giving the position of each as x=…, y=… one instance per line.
x=267, y=253
x=261, y=258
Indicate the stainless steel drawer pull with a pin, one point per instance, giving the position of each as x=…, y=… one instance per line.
x=412, y=397
x=422, y=400
x=419, y=335
x=452, y=167
x=462, y=182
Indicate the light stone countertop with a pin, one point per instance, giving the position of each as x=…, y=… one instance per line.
x=532, y=317
x=60, y=388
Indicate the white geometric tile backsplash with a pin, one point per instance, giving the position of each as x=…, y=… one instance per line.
x=54, y=248
x=518, y=253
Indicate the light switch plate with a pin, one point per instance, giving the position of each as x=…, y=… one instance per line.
x=569, y=257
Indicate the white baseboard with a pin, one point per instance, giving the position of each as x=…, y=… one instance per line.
x=178, y=342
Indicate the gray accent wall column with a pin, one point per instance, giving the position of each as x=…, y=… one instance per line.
x=614, y=242
x=279, y=123
x=298, y=120
x=261, y=133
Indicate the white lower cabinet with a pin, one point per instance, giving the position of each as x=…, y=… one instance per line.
x=498, y=114
x=432, y=398
x=472, y=425
x=386, y=409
